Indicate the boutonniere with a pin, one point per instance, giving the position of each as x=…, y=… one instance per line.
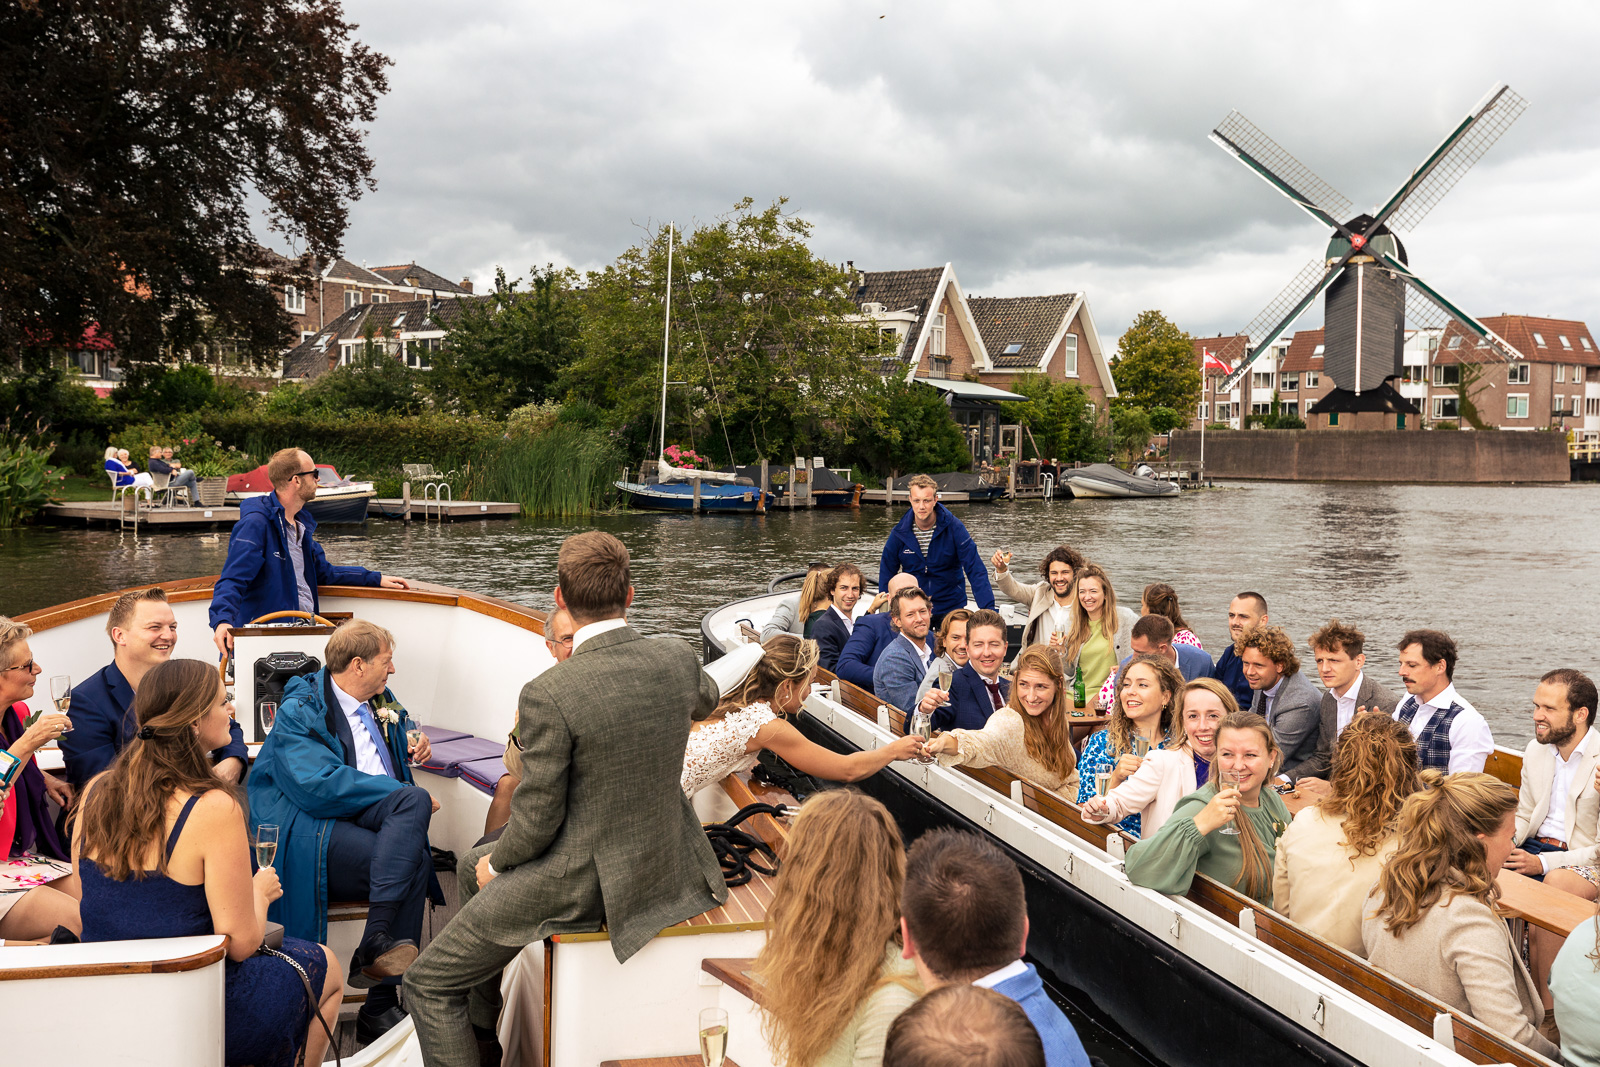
x=387, y=712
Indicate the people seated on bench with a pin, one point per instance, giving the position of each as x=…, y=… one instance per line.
x=127, y=476
x=873, y=633
x=334, y=776
x=1193, y=839
x=558, y=631
x=1031, y=736
x=1153, y=635
x=950, y=644
x=1575, y=988
x=794, y=618
x=754, y=716
x=39, y=890
x=1431, y=919
x=143, y=632
x=965, y=923
x=1281, y=694
x=963, y=1026
x=842, y=588
x=1144, y=714
x=1328, y=860
x=1167, y=775
x=1050, y=601
x=1346, y=691
x=905, y=662
x=1452, y=735
x=831, y=973
x=163, y=851
x=1102, y=630
x=977, y=690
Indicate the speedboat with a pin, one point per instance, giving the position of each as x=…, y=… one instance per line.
x=462, y=660
x=338, y=500
x=1198, y=979
x=1104, y=480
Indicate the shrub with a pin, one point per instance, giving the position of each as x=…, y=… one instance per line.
x=565, y=471
x=26, y=479
x=364, y=446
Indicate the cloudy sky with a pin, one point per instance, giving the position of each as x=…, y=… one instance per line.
x=1041, y=148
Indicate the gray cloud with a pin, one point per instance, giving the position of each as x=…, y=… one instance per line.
x=1039, y=147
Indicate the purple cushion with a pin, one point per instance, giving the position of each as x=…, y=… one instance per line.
x=438, y=735
x=447, y=756
x=484, y=773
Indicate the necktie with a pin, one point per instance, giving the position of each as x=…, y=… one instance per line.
x=994, y=694
x=1266, y=705
x=377, y=738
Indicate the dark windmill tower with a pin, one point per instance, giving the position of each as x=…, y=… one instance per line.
x=1370, y=287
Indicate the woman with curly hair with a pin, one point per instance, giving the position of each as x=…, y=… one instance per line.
x=1031, y=736
x=1161, y=599
x=1146, y=709
x=1227, y=829
x=1330, y=857
x=1433, y=919
x=831, y=972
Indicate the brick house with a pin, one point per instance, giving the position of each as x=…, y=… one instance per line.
x=342, y=285
x=409, y=330
x=1252, y=394
x=1556, y=385
x=1050, y=335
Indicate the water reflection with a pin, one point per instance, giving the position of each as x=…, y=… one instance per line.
x=1503, y=569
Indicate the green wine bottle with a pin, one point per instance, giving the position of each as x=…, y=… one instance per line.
x=1079, y=698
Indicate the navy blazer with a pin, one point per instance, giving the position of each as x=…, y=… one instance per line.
x=102, y=724
x=1230, y=672
x=830, y=634
x=970, y=706
x=1192, y=663
x=860, y=654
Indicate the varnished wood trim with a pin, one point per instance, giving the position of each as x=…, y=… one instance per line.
x=193, y=962
x=549, y=992
x=731, y=972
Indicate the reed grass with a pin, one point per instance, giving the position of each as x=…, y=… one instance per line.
x=565, y=471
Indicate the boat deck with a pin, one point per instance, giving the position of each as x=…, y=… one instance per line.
x=395, y=508
x=105, y=511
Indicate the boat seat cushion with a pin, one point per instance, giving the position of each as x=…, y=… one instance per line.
x=437, y=735
x=484, y=773
x=448, y=756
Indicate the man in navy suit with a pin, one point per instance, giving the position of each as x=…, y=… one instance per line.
x=1245, y=611
x=976, y=690
x=870, y=636
x=1152, y=636
x=833, y=627
x=143, y=632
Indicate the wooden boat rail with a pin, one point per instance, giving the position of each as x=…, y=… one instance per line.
x=192, y=962
x=1404, y=1002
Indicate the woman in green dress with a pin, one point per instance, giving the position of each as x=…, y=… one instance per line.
x=1200, y=835
x=1101, y=633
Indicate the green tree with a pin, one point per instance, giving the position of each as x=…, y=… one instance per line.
x=1061, y=417
x=506, y=353
x=916, y=435
x=1131, y=429
x=1155, y=365
x=761, y=338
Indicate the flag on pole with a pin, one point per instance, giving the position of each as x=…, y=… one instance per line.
x=1213, y=365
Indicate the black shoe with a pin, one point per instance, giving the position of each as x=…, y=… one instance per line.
x=372, y=1025
x=489, y=1051
x=378, y=958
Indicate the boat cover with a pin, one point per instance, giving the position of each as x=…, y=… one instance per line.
x=1118, y=479
x=953, y=482
x=256, y=481
x=823, y=480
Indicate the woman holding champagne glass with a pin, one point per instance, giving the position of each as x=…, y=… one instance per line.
x=162, y=849
x=1144, y=717
x=1031, y=736
x=1229, y=828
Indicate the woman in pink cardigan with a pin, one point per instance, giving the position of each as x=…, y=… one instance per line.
x=1167, y=775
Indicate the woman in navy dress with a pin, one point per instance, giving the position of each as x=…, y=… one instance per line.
x=162, y=850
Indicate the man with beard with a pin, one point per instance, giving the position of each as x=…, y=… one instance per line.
x=1244, y=611
x=1558, y=811
x=143, y=631
x=901, y=668
x=1050, y=601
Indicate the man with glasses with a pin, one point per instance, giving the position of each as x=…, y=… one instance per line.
x=274, y=562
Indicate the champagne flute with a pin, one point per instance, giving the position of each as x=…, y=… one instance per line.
x=1141, y=746
x=945, y=675
x=266, y=844
x=61, y=696
x=713, y=1036
x=1102, y=783
x=922, y=726
x=269, y=715
x=1237, y=780
x=413, y=739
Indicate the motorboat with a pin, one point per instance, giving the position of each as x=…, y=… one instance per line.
x=1198, y=979
x=1104, y=480
x=680, y=496
x=338, y=500
x=462, y=660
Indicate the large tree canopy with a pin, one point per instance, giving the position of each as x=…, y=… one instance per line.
x=136, y=136
x=1155, y=366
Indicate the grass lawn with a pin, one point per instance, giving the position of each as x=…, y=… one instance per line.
x=78, y=488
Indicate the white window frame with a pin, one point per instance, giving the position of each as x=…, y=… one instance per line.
x=1577, y=374
x=380, y=298
x=1561, y=373
x=1069, y=355
x=352, y=297
x=294, y=300
x=1439, y=403
x=1289, y=382
x=1519, y=374
x=936, y=335
x=1559, y=404
x=1566, y=342
x=1205, y=411
x=1261, y=379
x=1455, y=342
x=1311, y=380
x=1538, y=339
x=1516, y=405
x=1439, y=370
x=1318, y=350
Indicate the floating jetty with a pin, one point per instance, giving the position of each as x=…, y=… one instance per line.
x=395, y=508
x=109, y=513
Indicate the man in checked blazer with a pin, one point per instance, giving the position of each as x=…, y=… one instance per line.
x=600, y=830
x=1291, y=705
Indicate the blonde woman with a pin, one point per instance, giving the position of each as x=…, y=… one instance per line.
x=1101, y=633
x=1193, y=840
x=1432, y=919
x=1167, y=775
x=1145, y=707
x=1329, y=859
x=832, y=976
x=1031, y=736
x=792, y=618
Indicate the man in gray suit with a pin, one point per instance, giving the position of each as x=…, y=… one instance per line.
x=600, y=830
x=1341, y=665
x=1290, y=704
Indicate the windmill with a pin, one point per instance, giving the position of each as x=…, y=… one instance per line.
x=1371, y=289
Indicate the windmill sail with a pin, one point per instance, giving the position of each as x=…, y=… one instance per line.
x=1242, y=138
x=1456, y=154
x=1285, y=309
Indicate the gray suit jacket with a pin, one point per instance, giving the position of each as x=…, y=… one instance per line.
x=1370, y=695
x=600, y=828
x=1295, y=718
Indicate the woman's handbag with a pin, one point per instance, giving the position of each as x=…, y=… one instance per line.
x=737, y=851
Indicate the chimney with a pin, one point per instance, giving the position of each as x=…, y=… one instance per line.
x=466, y=283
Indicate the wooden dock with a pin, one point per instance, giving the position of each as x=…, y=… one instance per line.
x=453, y=510
x=105, y=511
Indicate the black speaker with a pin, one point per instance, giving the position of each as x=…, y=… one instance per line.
x=272, y=673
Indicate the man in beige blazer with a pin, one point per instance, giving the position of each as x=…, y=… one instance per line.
x=1558, y=811
x=1050, y=601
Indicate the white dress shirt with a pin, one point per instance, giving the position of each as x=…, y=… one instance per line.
x=925, y=653
x=1060, y=620
x=1555, y=821
x=994, y=978
x=849, y=623
x=368, y=761
x=1470, y=738
x=1347, y=703
x=593, y=629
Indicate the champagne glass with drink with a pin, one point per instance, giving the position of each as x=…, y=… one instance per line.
x=61, y=697
x=413, y=739
x=713, y=1036
x=922, y=726
x=1236, y=779
x=266, y=844
x=269, y=715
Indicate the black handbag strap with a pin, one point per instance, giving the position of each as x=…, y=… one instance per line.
x=738, y=851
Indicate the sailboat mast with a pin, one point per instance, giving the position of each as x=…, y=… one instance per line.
x=666, y=333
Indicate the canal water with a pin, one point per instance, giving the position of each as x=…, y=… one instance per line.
x=1506, y=570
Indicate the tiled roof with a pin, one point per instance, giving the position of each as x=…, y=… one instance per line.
x=345, y=271
x=311, y=356
x=1228, y=349
x=1520, y=330
x=418, y=278
x=1302, y=355
x=1029, y=321
x=901, y=290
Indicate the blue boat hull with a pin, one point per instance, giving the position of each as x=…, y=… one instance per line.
x=350, y=509
x=677, y=496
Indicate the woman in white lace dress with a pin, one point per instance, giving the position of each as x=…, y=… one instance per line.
x=751, y=718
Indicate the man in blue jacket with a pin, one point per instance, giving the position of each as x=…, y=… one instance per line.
x=903, y=665
x=334, y=777
x=872, y=634
x=1152, y=636
x=274, y=562
x=1244, y=611
x=964, y=919
x=143, y=632
x=934, y=546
